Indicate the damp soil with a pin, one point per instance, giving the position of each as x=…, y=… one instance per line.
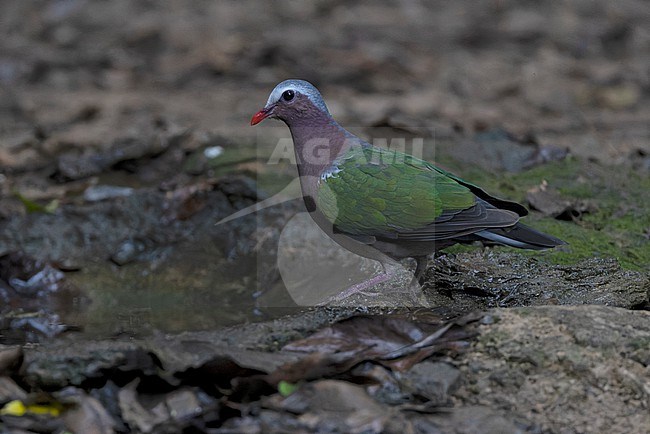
x=125, y=306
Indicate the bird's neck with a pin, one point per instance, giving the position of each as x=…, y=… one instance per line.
x=317, y=142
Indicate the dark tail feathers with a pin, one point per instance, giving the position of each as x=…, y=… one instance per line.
x=520, y=236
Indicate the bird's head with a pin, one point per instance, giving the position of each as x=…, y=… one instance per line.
x=291, y=100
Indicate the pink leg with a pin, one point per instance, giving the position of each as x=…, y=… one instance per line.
x=389, y=271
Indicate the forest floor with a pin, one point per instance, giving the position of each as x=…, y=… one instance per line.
x=125, y=138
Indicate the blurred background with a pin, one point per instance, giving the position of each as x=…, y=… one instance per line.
x=542, y=66
x=124, y=130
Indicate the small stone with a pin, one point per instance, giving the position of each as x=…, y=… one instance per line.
x=213, y=152
x=98, y=193
x=432, y=380
x=127, y=252
x=183, y=404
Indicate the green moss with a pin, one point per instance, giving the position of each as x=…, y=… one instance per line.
x=639, y=343
x=616, y=226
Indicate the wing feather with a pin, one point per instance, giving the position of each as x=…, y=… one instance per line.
x=407, y=199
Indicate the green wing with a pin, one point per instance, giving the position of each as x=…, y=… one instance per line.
x=479, y=192
x=371, y=191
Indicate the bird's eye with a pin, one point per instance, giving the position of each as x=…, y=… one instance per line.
x=288, y=95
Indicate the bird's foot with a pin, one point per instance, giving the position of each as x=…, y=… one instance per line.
x=414, y=289
x=358, y=289
x=415, y=283
x=420, y=269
